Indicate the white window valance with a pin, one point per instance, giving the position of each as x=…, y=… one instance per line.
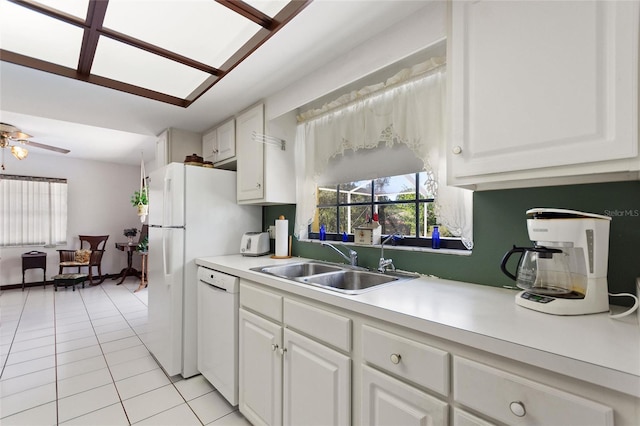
x=408, y=109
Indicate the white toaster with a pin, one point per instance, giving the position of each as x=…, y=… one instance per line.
x=254, y=244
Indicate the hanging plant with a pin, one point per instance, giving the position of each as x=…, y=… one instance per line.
x=140, y=199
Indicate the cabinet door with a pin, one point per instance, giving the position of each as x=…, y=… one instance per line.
x=162, y=148
x=209, y=145
x=260, y=372
x=250, y=154
x=462, y=418
x=387, y=401
x=226, y=141
x=317, y=383
x=538, y=84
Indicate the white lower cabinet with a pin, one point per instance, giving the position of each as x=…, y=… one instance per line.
x=515, y=400
x=462, y=418
x=317, y=383
x=260, y=372
x=388, y=401
x=295, y=368
x=286, y=377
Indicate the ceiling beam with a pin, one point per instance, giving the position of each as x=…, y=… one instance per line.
x=38, y=64
x=95, y=18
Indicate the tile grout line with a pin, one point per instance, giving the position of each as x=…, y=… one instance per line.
x=171, y=382
x=113, y=381
x=109, y=294
x=15, y=332
x=55, y=354
x=55, y=359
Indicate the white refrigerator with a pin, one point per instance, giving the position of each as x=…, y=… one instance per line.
x=192, y=213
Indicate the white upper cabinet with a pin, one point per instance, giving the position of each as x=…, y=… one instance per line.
x=209, y=145
x=219, y=144
x=266, y=169
x=250, y=154
x=542, y=89
x=174, y=145
x=226, y=141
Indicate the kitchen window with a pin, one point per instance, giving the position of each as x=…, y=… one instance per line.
x=33, y=211
x=381, y=149
x=404, y=204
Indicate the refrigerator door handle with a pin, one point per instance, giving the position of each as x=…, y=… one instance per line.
x=166, y=220
x=165, y=263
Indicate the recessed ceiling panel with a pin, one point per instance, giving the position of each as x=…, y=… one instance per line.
x=131, y=65
x=36, y=35
x=270, y=8
x=205, y=30
x=172, y=51
x=77, y=8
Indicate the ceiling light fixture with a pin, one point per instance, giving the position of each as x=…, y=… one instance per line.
x=19, y=152
x=10, y=135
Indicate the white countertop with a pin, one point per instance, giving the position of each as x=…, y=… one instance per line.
x=594, y=348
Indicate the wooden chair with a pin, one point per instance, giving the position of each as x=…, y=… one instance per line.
x=90, y=256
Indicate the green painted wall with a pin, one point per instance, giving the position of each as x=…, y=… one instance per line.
x=499, y=222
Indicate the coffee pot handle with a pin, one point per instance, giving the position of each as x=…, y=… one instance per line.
x=505, y=259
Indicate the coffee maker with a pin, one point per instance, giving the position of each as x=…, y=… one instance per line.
x=565, y=272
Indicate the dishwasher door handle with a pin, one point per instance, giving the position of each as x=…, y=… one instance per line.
x=214, y=286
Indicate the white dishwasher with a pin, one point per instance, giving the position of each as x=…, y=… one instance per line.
x=218, y=302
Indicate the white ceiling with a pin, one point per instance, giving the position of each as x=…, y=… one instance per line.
x=102, y=124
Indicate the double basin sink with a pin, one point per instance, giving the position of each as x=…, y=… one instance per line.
x=341, y=278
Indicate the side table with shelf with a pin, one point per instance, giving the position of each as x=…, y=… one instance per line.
x=35, y=260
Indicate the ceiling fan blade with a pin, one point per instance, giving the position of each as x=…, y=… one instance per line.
x=6, y=129
x=44, y=146
x=18, y=135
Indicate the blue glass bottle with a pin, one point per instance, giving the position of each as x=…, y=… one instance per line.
x=323, y=233
x=435, y=238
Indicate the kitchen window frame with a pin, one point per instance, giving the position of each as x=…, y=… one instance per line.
x=407, y=241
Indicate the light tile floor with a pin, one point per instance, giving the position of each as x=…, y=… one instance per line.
x=79, y=358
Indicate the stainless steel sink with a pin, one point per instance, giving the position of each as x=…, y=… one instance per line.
x=342, y=278
x=350, y=282
x=299, y=269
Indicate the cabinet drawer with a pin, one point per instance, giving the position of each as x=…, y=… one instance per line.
x=261, y=301
x=462, y=418
x=325, y=326
x=414, y=361
x=519, y=401
x=388, y=401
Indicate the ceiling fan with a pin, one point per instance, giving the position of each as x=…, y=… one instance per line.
x=13, y=138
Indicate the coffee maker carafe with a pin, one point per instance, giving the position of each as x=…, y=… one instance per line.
x=565, y=272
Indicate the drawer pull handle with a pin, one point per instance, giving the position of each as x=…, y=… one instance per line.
x=395, y=358
x=517, y=408
x=282, y=351
x=457, y=150
x=274, y=347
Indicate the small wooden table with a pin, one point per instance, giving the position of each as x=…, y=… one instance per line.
x=34, y=260
x=144, y=279
x=129, y=270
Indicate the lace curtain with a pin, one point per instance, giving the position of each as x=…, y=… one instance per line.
x=407, y=109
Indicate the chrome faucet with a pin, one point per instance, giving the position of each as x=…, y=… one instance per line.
x=353, y=255
x=383, y=264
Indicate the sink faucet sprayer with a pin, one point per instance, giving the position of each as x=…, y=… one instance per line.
x=353, y=255
x=383, y=264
